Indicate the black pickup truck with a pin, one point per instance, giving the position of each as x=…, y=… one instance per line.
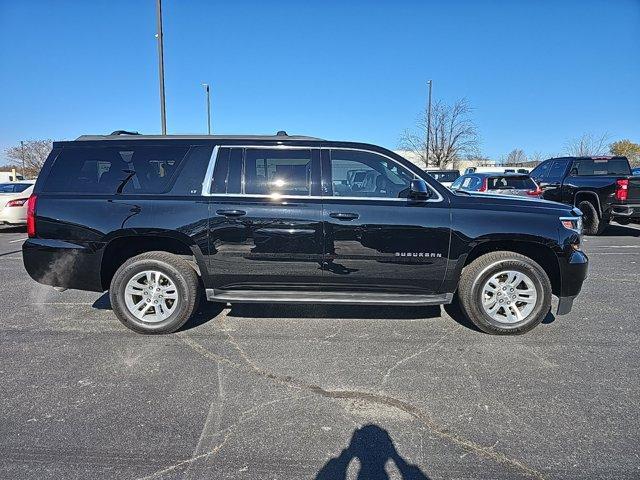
x=603, y=188
x=158, y=220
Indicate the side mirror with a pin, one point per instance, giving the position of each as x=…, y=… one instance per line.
x=419, y=190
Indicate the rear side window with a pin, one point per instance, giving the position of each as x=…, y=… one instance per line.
x=604, y=166
x=110, y=170
x=272, y=171
x=510, y=183
x=192, y=173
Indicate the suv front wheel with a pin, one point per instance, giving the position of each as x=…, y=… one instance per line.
x=155, y=292
x=504, y=293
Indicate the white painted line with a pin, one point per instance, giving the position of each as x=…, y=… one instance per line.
x=19, y=240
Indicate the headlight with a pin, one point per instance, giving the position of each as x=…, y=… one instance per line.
x=572, y=223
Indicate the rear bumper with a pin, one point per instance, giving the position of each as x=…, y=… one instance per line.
x=62, y=264
x=631, y=210
x=13, y=216
x=573, y=272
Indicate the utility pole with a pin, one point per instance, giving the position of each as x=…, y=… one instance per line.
x=206, y=89
x=22, y=155
x=159, y=36
x=430, y=82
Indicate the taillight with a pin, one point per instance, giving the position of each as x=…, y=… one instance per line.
x=483, y=188
x=535, y=193
x=31, y=216
x=622, y=189
x=16, y=203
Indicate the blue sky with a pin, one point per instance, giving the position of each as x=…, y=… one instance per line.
x=536, y=72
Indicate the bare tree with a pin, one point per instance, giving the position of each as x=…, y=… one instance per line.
x=453, y=135
x=587, y=145
x=32, y=155
x=516, y=156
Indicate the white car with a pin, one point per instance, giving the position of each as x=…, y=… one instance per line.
x=13, y=202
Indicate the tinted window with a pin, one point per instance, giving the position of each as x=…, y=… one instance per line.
x=445, y=176
x=109, y=170
x=277, y=172
x=556, y=172
x=604, y=166
x=13, y=187
x=458, y=183
x=227, y=171
x=510, y=183
x=366, y=174
x=192, y=173
x=541, y=170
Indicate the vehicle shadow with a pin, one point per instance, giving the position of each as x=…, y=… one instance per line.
x=616, y=230
x=372, y=446
x=19, y=229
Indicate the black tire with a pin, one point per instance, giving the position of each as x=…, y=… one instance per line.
x=479, y=271
x=182, y=275
x=592, y=224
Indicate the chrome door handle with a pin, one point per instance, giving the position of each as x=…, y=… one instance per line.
x=344, y=215
x=231, y=213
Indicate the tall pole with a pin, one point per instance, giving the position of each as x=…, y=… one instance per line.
x=430, y=82
x=22, y=152
x=206, y=89
x=163, y=112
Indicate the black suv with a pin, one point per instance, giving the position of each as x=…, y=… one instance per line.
x=289, y=219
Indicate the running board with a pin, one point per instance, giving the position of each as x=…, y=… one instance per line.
x=344, y=298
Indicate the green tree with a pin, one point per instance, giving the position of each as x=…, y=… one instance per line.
x=626, y=148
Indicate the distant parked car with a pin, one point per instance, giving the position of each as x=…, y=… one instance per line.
x=445, y=177
x=496, y=170
x=13, y=202
x=501, y=184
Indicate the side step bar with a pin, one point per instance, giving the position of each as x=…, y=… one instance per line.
x=345, y=298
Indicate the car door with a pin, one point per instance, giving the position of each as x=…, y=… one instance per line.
x=551, y=180
x=376, y=239
x=265, y=228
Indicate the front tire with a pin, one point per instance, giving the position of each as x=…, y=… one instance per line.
x=154, y=293
x=504, y=293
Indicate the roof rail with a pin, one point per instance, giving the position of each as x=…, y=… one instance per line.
x=282, y=133
x=123, y=132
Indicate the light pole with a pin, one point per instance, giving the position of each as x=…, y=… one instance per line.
x=24, y=175
x=163, y=112
x=430, y=82
x=206, y=89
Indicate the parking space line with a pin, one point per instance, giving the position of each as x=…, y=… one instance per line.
x=19, y=240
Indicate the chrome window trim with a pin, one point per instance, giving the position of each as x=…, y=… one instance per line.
x=206, y=185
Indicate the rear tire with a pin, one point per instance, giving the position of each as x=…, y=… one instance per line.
x=592, y=224
x=504, y=293
x=154, y=293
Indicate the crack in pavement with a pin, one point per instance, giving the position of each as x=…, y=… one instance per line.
x=373, y=398
x=414, y=355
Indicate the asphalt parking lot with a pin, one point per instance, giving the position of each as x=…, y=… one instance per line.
x=284, y=392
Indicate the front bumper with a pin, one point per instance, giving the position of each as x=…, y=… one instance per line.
x=573, y=272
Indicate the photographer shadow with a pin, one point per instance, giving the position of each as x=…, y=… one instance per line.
x=372, y=446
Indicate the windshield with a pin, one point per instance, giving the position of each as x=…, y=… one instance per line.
x=510, y=183
x=13, y=187
x=445, y=176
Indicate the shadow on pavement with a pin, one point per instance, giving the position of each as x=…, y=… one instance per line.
x=372, y=446
x=19, y=229
x=616, y=230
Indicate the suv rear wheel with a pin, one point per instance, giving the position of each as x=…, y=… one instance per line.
x=504, y=293
x=155, y=292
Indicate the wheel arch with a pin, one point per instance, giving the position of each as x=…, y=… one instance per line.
x=124, y=245
x=540, y=253
x=587, y=195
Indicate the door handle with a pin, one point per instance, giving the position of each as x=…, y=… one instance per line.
x=344, y=215
x=231, y=213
